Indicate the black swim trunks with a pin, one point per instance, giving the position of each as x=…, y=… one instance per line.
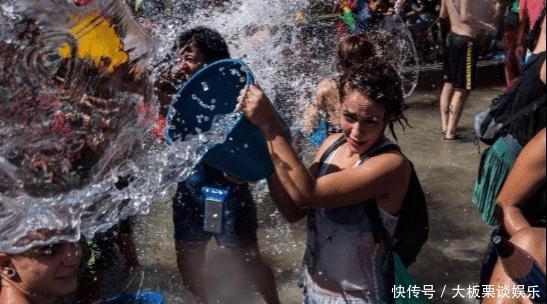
x=460, y=62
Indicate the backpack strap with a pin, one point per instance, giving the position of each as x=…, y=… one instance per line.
x=531, y=107
x=534, y=105
x=379, y=232
x=384, y=147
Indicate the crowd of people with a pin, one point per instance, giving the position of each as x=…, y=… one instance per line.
x=358, y=191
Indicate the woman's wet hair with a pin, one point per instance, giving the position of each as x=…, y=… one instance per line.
x=380, y=82
x=353, y=50
x=208, y=41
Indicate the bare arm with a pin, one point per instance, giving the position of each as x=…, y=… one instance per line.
x=542, y=73
x=465, y=14
x=281, y=198
x=531, y=240
x=324, y=93
x=443, y=13
x=283, y=201
x=526, y=176
x=311, y=116
x=467, y=17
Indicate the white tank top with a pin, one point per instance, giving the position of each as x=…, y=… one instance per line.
x=342, y=258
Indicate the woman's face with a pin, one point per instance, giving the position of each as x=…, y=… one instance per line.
x=50, y=271
x=363, y=121
x=191, y=59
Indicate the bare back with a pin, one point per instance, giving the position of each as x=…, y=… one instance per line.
x=468, y=17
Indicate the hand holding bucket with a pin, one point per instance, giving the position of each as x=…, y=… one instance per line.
x=213, y=91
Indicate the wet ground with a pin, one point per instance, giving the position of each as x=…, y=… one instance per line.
x=450, y=258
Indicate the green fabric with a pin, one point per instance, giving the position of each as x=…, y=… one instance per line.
x=496, y=162
x=515, y=7
x=402, y=279
x=349, y=19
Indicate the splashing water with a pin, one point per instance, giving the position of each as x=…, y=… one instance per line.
x=76, y=155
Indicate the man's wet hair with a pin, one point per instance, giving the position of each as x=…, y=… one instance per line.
x=380, y=82
x=353, y=50
x=208, y=41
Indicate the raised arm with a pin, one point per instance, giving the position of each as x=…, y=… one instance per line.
x=524, y=179
x=324, y=93
x=281, y=198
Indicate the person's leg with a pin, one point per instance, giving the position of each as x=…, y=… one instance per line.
x=126, y=243
x=128, y=250
x=457, y=102
x=190, y=262
x=239, y=236
x=444, y=104
x=190, y=238
x=449, y=79
x=463, y=66
x=261, y=275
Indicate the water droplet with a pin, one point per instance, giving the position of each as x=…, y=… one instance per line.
x=205, y=86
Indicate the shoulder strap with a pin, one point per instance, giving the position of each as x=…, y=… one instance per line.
x=382, y=148
x=531, y=107
x=337, y=143
x=386, y=146
x=378, y=230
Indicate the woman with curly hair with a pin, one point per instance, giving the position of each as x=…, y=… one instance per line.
x=353, y=171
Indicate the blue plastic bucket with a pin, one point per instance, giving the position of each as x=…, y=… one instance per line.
x=211, y=91
x=143, y=297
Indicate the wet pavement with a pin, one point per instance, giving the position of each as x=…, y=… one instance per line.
x=451, y=257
